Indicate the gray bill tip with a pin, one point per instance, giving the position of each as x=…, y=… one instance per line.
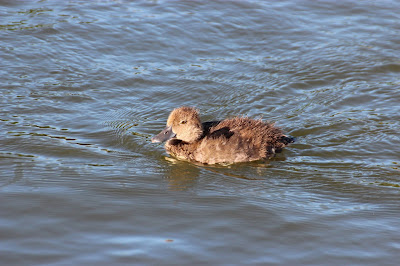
x=164, y=135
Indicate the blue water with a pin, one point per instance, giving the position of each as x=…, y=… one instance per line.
x=86, y=84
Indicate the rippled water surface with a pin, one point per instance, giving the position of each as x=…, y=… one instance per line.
x=85, y=84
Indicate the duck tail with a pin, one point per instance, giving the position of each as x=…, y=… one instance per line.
x=287, y=139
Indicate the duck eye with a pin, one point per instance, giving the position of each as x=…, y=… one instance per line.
x=183, y=122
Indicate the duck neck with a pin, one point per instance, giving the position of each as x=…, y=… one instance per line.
x=193, y=134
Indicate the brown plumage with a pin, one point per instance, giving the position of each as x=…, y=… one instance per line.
x=239, y=139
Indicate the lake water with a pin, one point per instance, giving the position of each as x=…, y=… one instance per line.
x=86, y=84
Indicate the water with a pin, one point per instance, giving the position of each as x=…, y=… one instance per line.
x=85, y=84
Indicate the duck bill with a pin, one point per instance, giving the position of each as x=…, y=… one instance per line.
x=164, y=135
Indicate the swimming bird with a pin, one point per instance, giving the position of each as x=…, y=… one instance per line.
x=240, y=139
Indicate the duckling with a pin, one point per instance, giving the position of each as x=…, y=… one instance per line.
x=239, y=139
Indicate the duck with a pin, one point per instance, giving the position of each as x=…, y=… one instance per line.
x=239, y=139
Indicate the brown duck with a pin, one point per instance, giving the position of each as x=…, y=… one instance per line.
x=239, y=139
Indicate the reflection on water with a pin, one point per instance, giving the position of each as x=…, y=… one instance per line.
x=86, y=85
x=181, y=175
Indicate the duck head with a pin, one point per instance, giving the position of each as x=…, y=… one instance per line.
x=183, y=123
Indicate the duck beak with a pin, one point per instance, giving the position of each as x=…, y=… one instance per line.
x=164, y=135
